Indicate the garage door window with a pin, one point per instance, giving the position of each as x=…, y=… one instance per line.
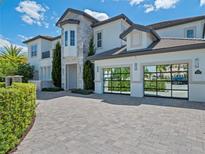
x=166, y=80
x=116, y=80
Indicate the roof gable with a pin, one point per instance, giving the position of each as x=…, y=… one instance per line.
x=92, y=19
x=121, y=16
x=140, y=28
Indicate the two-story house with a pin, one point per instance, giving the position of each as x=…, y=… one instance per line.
x=165, y=59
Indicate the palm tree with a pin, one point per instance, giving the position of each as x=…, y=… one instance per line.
x=13, y=54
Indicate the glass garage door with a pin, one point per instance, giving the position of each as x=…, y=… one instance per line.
x=116, y=80
x=169, y=80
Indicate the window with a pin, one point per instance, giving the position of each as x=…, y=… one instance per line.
x=45, y=54
x=72, y=38
x=190, y=33
x=99, y=39
x=169, y=80
x=116, y=80
x=66, y=38
x=33, y=50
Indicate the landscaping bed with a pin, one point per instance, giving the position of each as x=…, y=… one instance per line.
x=54, y=89
x=81, y=91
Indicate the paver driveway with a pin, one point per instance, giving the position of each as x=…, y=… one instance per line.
x=107, y=124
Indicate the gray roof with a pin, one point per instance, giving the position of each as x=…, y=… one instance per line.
x=49, y=38
x=170, y=23
x=121, y=16
x=76, y=12
x=141, y=28
x=163, y=45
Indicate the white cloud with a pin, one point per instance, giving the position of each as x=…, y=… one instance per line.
x=202, y=2
x=135, y=2
x=22, y=37
x=148, y=8
x=98, y=15
x=5, y=42
x=165, y=4
x=33, y=13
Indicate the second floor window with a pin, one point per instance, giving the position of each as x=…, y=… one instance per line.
x=72, y=38
x=66, y=38
x=99, y=39
x=33, y=50
x=45, y=54
x=190, y=33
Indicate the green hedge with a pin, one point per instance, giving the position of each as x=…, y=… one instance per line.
x=2, y=84
x=54, y=89
x=17, y=109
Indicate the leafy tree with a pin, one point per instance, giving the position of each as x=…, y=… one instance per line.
x=88, y=70
x=13, y=54
x=56, y=63
x=26, y=71
x=7, y=67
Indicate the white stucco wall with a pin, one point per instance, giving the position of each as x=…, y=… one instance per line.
x=180, y=30
x=145, y=39
x=110, y=35
x=196, y=82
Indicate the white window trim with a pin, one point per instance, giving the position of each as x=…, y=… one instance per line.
x=190, y=28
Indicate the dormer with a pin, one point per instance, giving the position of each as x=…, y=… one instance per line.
x=139, y=37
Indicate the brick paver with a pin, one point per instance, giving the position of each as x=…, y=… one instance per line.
x=110, y=124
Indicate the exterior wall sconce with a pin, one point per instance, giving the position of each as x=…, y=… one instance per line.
x=196, y=62
x=135, y=67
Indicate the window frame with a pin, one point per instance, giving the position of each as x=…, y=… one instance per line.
x=66, y=38
x=188, y=29
x=34, y=53
x=99, y=40
x=72, y=37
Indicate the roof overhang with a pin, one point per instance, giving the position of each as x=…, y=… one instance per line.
x=140, y=28
x=121, y=16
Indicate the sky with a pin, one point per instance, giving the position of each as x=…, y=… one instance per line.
x=24, y=19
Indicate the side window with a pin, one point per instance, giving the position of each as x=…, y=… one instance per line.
x=66, y=38
x=190, y=33
x=72, y=38
x=33, y=50
x=99, y=39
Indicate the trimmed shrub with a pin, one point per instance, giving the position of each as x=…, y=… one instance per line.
x=17, y=109
x=26, y=71
x=54, y=89
x=82, y=91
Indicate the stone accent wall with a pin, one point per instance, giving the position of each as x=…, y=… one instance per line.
x=84, y=34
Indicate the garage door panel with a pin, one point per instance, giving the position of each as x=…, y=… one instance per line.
x=169, y=80
x=117, y=80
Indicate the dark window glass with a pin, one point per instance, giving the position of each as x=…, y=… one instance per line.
x=66, y=38
x=45, y=54
x=72, y=38
x=99, y=40
x=33, y=50
x=190, y=33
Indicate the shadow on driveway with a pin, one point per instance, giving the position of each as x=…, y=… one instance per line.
x=115, y=99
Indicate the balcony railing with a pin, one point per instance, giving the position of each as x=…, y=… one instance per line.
x=45, y=54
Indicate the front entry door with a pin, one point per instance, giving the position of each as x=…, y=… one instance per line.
x=71, y=76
